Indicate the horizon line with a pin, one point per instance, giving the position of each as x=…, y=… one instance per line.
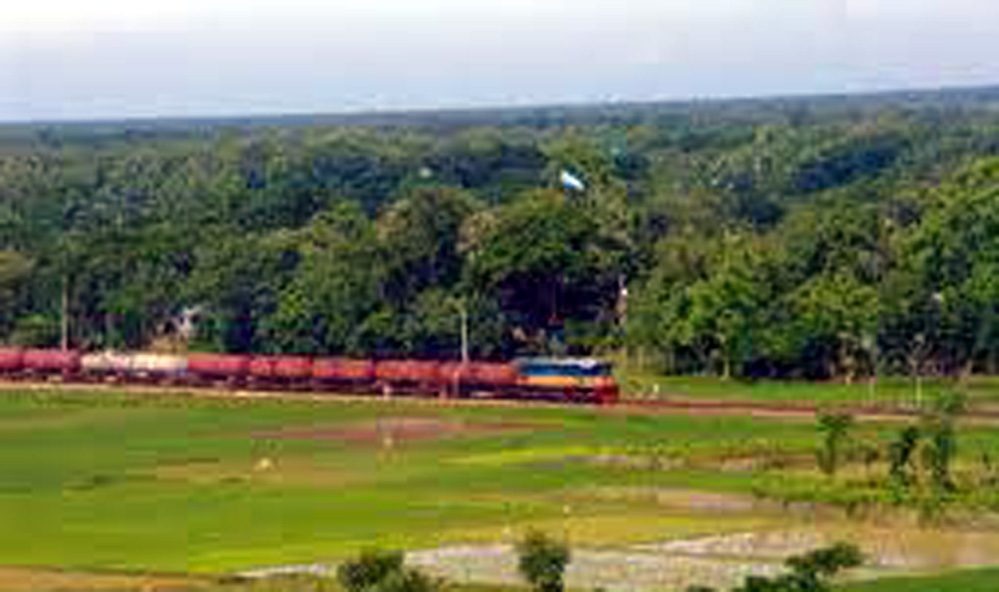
x=248, y=118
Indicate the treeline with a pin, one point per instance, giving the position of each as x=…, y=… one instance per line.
x=819, y=238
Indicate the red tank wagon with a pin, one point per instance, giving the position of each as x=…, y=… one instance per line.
x=343, y=370
x=286, y=370
x=51, y=361
x=492, y=374
x=11, y=359
x=292, y=367
x=218, y=366
x=261, y=367
x=409, y=375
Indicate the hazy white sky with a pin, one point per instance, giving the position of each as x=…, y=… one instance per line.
x=114, y=58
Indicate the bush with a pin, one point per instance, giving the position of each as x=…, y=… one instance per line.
x=835, y=428
x=827, y=562
x=36, y=331
x=900, y=457
x=406, y=580
x=282, y=583
x=369, y=569
x=809, y=572
x=941, y=446
x=542, y=561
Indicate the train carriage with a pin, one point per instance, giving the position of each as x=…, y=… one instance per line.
x=155, y=365
x=479, y=378
x=281, y=371
x=343, y=373
x=411, y=376
x=229, y=368
x=111, y=365
x=580, y=380
x=51, y=362
x=11, y=359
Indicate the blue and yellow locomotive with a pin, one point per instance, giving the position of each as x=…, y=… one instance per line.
x=574, y=379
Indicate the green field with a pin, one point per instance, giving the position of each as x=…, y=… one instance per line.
x=893, y=391
x=985, y=580
x=172, y=484
x=176, y=485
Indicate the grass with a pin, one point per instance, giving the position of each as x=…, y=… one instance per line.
x=169, y=484
x=886, y=391
x=42, y=580
x=166, y=484
x=983, y=580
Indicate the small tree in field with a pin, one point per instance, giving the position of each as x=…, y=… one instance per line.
x=810, y=572
x=542, y=561
x=406, y=580
x=941, y=448
x=383, y=571
x=369, y=569
x=835, y=428
x=900, y=457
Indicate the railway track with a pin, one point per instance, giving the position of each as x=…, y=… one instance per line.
x=662, y=404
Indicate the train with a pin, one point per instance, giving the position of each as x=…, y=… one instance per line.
x=582, y=380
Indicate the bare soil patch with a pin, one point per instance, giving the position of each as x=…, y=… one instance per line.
x=895, y=548
x=676, y=498
x=722, y=561
x=392, y=430
x=40, y=580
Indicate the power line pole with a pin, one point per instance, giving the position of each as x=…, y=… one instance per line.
x=64, y=308
x=463, y=310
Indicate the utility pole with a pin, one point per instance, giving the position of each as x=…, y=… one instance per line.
x=463, y=311
x=622, y=313
x=64, y=321
x=460, y=303
x=622, y=301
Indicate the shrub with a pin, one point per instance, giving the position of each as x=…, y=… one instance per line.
x=827, y=562
x=283, y=583
x=369, y=569
x=942, y=440
x=542, y=561
x=406, y=580
x=35, y=331
x=900, y=457
x=809, y=572
x=835, y=428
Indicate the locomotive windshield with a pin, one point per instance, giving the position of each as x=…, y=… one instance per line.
x=558, y=367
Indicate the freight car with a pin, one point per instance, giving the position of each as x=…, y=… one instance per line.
x=578, y=380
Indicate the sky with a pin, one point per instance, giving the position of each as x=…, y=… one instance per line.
x=113, y=59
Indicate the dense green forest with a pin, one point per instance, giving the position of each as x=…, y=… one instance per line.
x=818, y=237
